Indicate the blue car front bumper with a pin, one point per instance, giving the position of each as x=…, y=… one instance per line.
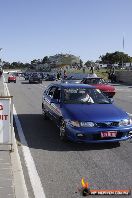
x=93, y=135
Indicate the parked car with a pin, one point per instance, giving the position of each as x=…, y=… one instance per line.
x=101, y=84
x=21, y=74
x=73, y=78
x=11, y=78
x=1, y=72
x=35, y=78
x=27, y=75
x=50, y=77
x=84, y=114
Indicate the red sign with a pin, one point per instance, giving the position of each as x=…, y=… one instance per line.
x=108, y=134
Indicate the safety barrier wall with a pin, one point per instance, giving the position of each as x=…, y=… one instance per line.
x=124, y=76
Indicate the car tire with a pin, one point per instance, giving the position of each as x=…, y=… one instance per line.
x=14, y=81
x=63, y=136
x=45, y=117
x=8, y=81
x=116, y=144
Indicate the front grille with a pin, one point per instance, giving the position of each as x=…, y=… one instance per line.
x=107, y=124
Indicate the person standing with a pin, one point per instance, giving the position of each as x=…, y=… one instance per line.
x=92, y=69
x=65, y=75
x=60, y=73
x=58, y=76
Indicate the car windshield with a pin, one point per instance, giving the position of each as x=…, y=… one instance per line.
x=84, y=96
x=76, y=77
x=34, y=75
x=12, y=74
x=95, y=81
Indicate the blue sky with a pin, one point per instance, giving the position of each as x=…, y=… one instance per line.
x=32, y=29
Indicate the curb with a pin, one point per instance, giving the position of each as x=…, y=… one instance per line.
x=20, y=189
x=18, y=177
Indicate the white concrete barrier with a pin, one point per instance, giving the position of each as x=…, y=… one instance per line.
x=124, y=76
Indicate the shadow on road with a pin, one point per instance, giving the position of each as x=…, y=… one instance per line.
x=43, y=134
x=121, y=84
x=25, y=82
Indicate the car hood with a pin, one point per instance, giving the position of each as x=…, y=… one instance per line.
x=104, y=87
x=71, y=81
x=11, y=77
x=93, y=112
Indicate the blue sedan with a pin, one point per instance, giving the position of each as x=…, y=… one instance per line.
x=84, y=114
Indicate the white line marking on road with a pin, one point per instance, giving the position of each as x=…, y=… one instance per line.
x=33, y=174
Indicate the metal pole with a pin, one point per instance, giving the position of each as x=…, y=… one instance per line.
x=12, y=124
x=123, y=52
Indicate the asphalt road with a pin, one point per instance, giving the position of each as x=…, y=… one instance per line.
x=61, y=166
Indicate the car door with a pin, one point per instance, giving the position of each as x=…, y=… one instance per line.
x=55, y=106
x=48, y=98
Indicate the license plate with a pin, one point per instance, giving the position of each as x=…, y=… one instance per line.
x=108, y=134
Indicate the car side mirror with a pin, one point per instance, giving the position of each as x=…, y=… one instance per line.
x=111, y=100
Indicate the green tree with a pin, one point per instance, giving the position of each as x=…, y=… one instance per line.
x=89, y=63
x=34, y=61
x=6, y=65
x=14, y=65
x=81, y=63
x=116, y=57
x=45, y=60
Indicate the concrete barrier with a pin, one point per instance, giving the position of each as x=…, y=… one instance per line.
x=124, y=76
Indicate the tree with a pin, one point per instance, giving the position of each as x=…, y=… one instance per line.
x=6, y=65
x=81, y=63
x=90, y=63
x=116, y=57
x=14, y=65
x=34, y=61
x=45, y=60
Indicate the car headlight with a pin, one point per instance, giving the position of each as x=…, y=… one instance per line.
x=80, y=124
x=75, y=123
x=87, y=124
x=125, y=122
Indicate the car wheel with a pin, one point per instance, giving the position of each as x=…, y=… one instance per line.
x=14, y=81
x=45, y=117
x=116, y=144
x=8, y=81
x=63, y=136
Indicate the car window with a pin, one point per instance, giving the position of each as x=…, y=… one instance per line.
x=92, y=81
x=102, y=81
x=46, y=91
x=56, y=94
x=51, y=91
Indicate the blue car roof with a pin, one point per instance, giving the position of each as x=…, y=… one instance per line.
x=73, y=85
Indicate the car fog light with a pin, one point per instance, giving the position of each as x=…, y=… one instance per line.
x=80, y=135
